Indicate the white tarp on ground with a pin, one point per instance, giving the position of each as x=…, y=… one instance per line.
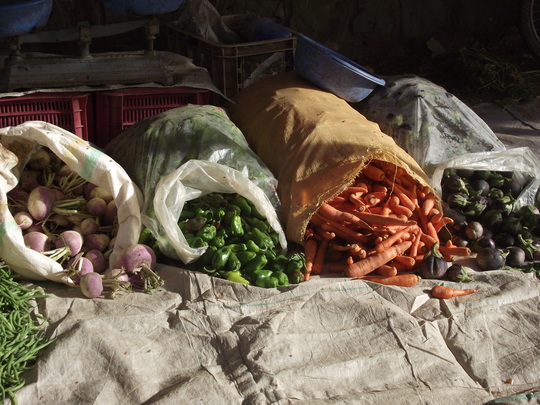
x=329, y=340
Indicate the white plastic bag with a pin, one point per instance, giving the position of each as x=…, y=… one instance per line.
x=431, y=124
x=196, y=178
x=521, y=161
x=17, y=146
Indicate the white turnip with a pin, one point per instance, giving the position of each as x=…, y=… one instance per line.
x=40, y=202
x=89, y=226
x=111, y=213
x=18, y=195
x=30, y=179
x=76, y=219
x=136, y=254
x=72, y=240
x=40, y=160
x=77, y=267
x=23, y=219
x=88, y=187
x=116, y=274
x=101, y=193
x=91, y=285
x=97, y=259
x=96, y=206
x=99, y=241
x=60, y=220
x=37, y=241
x=64, y=171
x=35, y=227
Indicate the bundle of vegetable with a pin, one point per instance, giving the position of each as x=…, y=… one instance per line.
x=69, y=220
x=488, y=219
x=22, y=336
x=241, y=246
x=385, y=224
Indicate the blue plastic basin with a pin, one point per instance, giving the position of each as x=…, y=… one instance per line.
x=143, y=7
x=19, y=17
x=332, y=71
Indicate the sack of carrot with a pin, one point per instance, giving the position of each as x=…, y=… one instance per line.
x=358, y=203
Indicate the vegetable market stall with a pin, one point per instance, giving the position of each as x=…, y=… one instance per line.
x=333, y=339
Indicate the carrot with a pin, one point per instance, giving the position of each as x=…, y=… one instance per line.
x=324, y=234
x=310, y=251
x=444, y=292
x=416, y=243
x=401, y=210
x=386, y=270
x=334, y=214
x=373, y=173
x=404, y=199
x=375, y=197
x=343, y=232
x=392, y=239
x=379, y=188
x=401, y=280
x=428, y=203
x=407, y=261
x=414, y=196
x=358, y=201
x=334, y=256
x=442, y=223
x=381, y=220
x=318, y=262
x=430, y=228
x=361, y=189
x=370, y=263
x=454, y=250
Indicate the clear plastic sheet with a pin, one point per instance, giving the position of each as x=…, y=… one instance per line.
x=431, y=124
x=156, y=147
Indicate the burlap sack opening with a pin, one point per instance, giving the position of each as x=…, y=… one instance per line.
x=314, y=143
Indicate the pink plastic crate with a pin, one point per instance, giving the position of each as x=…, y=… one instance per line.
x=119, y=109
x=69, y=111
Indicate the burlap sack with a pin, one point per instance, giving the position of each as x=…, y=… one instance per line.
x=314, y=142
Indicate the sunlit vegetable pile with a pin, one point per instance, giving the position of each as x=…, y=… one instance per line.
x=383, y=228
x=487, y=219
x=241, y=245
x=74, y=222
x=21, y=336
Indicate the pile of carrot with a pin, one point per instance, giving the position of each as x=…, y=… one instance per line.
x=378, y=229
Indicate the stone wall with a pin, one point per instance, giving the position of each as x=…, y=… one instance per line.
x=376, y=32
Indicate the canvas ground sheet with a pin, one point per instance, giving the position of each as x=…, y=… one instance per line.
x=334, y=340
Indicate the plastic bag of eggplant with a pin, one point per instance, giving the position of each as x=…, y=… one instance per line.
x=493, y=198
